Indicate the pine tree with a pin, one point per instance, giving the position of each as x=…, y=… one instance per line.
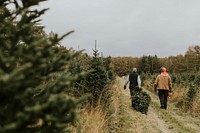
x=33, y=73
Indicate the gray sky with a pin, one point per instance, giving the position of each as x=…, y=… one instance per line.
x=126, y=27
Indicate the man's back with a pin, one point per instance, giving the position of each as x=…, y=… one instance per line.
x=133, y=79
x=163, y=82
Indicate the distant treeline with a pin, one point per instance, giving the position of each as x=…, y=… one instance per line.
x=189, y=62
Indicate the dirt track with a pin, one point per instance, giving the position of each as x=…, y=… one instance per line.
x=156, y=121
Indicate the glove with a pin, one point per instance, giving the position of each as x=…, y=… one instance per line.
x=124, y=87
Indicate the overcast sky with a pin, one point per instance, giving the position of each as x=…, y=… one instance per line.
x=126, y=27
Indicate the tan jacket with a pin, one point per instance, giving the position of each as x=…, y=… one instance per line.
x=163, y=82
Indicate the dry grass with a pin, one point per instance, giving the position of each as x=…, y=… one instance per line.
x=115, y=107
x=196, y=105
x=179, y=98
x=178, y=93
x=90, y=121
x=93, y=121
x=149, y=85
x=98, y=119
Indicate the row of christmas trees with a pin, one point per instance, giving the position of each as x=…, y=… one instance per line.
x=39, y=78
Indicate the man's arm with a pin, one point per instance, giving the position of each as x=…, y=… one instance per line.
x=139, y=81
x=156, y=84
x=126, y=81
x=170, y=84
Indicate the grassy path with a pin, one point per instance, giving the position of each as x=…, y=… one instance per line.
x=156, y=120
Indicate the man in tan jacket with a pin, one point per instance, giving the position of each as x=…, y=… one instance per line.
x=163, y=84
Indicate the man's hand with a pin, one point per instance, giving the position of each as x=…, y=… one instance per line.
x=170, y=89
x=124, y=87
x=155, y=89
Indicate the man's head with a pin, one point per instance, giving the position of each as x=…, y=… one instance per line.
x=134, y=69
x=163, y=69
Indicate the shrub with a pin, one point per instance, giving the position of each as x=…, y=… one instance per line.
x=192, y=92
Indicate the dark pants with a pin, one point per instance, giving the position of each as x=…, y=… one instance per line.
x=163, y=94
x=132, y=89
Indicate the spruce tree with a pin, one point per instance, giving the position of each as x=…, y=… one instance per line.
x=33, y=73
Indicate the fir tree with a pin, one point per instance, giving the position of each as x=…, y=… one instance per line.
x=109, y=67
x=97, y=78
x=33, y=73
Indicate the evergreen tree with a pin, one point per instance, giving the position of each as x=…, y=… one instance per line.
x=33, y=73
x=141, y=101
x=192, y=58
x=80, y=64
x=124, y=65
x=97, y=78
x=149, y=64
x=109, y=67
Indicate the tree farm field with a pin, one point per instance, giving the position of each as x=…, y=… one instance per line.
x=172, y=120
